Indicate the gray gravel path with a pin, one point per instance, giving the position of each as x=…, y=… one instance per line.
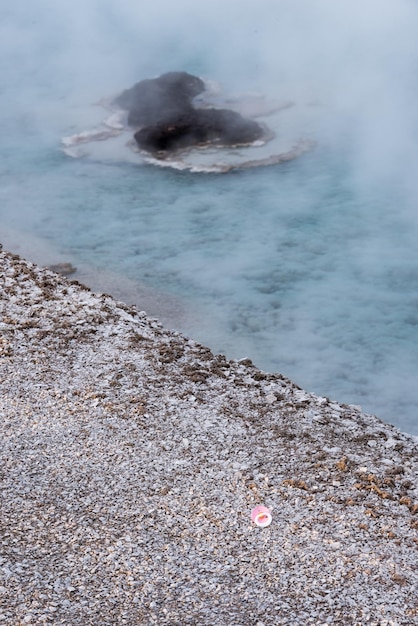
x=131, y=458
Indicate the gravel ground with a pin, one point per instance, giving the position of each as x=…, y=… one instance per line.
x=131, y=458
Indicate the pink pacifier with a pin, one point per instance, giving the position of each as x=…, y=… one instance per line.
x=261, y=516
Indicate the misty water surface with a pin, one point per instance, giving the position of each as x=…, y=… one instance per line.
x=309, y=268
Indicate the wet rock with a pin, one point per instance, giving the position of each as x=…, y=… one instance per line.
x=199, y=127
x=65, y=269
x=163, y=110
x=153, y=100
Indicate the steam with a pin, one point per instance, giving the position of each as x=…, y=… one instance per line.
x=358, y=59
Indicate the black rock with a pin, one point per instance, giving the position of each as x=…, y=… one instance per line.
x=198, y=127
x=153, y=100
x=163, y=110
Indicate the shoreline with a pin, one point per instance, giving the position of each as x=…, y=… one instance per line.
x=172, y=311
x=132, y=458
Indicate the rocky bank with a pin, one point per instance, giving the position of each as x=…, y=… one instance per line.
x=131, y=457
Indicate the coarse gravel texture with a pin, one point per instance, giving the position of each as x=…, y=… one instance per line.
x=131, y=458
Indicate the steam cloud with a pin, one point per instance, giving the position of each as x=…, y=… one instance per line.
x=358, y=59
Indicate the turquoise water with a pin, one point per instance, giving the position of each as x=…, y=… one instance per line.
x=309, y=268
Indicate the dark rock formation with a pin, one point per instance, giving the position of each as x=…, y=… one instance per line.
x=198, y=127
x=163, y=110
x=154, y=100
